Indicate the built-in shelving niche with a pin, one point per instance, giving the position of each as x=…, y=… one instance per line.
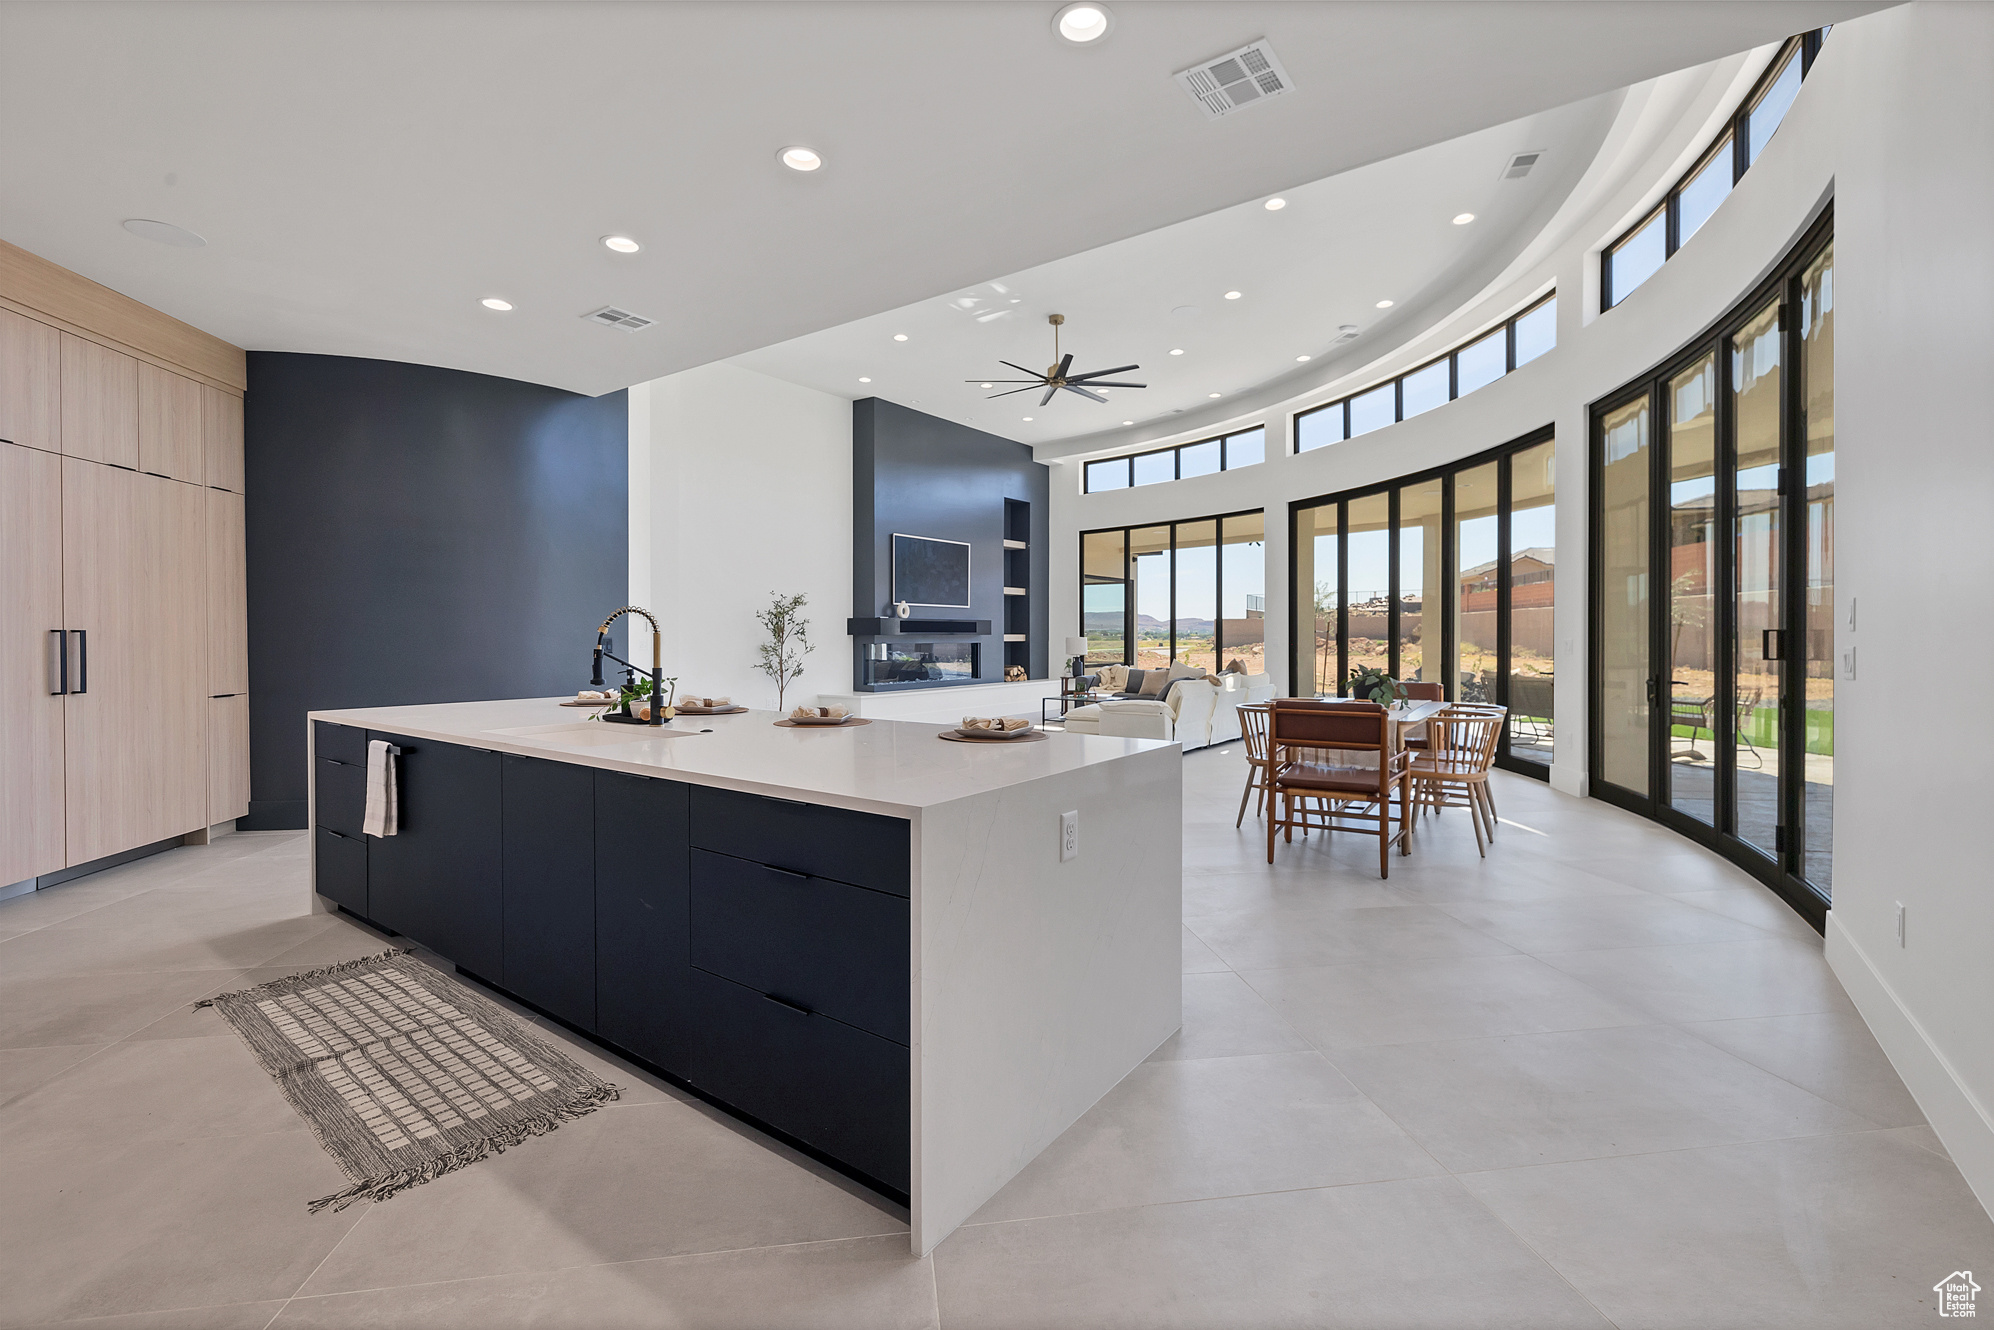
x=1017, y=584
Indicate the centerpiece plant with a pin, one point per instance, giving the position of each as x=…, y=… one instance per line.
x=1374, y=685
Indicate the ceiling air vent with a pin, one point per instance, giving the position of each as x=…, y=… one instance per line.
x=1238, y=78
x=609, y=316
x=1346, y=333
x=1519, y=165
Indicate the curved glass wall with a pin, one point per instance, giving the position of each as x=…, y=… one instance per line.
x=1712, y=620
x=1448, y=576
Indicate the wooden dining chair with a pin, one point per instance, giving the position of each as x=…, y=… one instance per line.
x=1416, y=690
x=1454, y=771
x=1324, y=796
x=1253, y=729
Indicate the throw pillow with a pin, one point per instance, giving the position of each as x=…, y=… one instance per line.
x=1153, y=682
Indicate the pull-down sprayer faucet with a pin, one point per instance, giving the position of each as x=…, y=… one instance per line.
x=657, y=667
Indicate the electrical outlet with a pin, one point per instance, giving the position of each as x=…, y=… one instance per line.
x=1069, y=835
x=1848, y=662
x=1900, y=923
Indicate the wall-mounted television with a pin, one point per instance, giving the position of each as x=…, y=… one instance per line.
x=931, y=572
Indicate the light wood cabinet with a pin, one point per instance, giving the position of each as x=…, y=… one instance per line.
x=172, y=577
x=221, y=434
x=104, y=789
x=30, y=383
x=99, y=403
x=171, y=440
x=228, y=758
x=228, y=597
x=32, y=833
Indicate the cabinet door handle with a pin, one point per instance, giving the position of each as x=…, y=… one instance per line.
x=82, y=660
x=793, y=803
x=797, y=1007
x=787, y=872
x=58, y=662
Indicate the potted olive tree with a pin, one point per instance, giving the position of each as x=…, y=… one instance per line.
x=781, y=656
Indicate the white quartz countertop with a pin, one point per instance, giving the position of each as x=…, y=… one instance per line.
x=894, y=767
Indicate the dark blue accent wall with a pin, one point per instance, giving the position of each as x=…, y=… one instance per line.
x=919, y=475
x=419, y=535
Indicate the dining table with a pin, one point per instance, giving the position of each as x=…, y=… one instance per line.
x=1403, y=720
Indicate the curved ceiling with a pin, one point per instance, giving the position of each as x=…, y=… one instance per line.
x=1322, y=262
x=365, y=174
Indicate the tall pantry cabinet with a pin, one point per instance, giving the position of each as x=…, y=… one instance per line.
x=124, y=708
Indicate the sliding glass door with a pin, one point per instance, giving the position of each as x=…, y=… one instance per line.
x=1713, y=586
x=1447, y=577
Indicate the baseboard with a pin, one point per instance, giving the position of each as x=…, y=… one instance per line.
x=1961, y=1121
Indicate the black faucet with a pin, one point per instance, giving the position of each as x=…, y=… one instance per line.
x=657, y=668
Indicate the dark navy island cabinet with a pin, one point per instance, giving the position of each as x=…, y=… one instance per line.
x=548, y=825
x=755, y=949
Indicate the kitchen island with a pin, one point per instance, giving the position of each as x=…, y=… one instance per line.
x=864, y=940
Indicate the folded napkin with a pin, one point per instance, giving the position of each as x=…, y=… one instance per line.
x=819, y=713
x=1003, y=723
x=706, y=703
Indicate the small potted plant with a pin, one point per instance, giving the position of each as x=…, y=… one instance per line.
x=1374, y=685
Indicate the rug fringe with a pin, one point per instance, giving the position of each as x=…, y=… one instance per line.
x=507, y=1135
x=312, y=976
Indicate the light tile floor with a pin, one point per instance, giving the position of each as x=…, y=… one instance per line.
x=1600, y=1078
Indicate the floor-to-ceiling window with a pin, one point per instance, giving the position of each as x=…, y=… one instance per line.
x=1449, y=577
x=1193, y=592
x=1713, y=584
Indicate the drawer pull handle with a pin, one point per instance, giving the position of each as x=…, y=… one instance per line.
x=793, y=803
x=336, y=762
x=787, y=872
x=793, y=1006
x=330, y=832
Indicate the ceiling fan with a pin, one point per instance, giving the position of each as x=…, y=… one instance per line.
x=1056, y=376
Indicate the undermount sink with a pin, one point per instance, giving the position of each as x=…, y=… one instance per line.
x=588, y=734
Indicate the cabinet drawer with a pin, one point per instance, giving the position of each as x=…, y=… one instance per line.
x=342, y=869
x=342, y=743
x=340, y=792
x=836, y=949
x=864, y=848
x=835, y=1088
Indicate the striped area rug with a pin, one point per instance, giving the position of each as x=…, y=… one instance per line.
x=402, y=1074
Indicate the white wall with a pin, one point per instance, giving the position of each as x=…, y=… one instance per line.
x=1914, y=264
x=740, y=486
x=1896, y=124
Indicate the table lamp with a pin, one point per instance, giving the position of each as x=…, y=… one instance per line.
x=1076, y=647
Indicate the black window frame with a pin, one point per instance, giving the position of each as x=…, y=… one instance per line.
x=1503, y=456
x=1397, y=382
x=1176, y=461
x=1805, y=46
x=1218, y=521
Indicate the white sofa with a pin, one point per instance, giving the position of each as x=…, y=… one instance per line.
x=1198, y=712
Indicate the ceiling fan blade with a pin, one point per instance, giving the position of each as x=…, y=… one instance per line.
x=1034, y=373
x=1065, y=363
x=1097, y=373
x=1030, y=387
x=1038, y=381
x=1090, y=396
x=1093, y=383
x=1050, y=389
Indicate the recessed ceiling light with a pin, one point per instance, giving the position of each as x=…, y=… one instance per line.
x=1232, y=295
x=621, y=244
x=493, y=302
x=1128, y=422
x=864, y=379
x=798, y=158
x=1027, y=418
x=1211, y=394
x=1275, y=205
x=990, y=385
x=1176, y=350
x=1082, y=23
x=166, y=233
x=1384, y=304
x=1463, y=218
x=900, y=337
x=1301, y=358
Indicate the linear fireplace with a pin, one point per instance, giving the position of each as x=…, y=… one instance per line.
x=889, y=663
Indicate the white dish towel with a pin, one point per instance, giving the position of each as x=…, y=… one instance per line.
x=383, y=801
